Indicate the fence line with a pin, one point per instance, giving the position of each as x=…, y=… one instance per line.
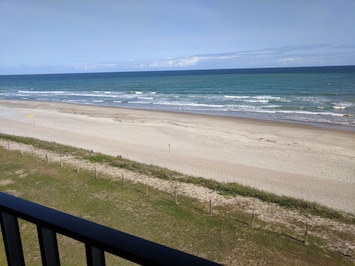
x=252, y=223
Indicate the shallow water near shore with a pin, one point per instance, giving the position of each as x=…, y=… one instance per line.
x=322, y=96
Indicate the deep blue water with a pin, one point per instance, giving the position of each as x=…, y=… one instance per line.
x=320, y=95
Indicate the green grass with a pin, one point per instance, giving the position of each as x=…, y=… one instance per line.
x=231, y=189
x=225, y=236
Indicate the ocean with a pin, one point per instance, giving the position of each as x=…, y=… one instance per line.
x=323, y=96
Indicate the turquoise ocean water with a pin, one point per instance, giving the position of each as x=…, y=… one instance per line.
x=323, y=96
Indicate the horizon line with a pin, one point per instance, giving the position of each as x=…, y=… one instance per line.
x=188, y=70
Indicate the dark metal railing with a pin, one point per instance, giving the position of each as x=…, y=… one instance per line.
x=98, y=239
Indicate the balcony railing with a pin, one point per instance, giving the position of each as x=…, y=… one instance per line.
x=98, y=239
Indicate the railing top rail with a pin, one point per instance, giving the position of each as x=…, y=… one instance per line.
x=118, y=243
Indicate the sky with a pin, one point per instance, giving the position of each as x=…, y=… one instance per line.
x=66, y=36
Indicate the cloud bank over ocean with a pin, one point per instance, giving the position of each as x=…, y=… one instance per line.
x=286, y=56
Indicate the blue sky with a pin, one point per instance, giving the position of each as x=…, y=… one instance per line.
x=52, y=36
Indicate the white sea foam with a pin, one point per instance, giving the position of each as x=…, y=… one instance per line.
x=342, y=105
x=236, y=97
x=92, y=95
x=139, y=102
x=339, y=107
x=271, y=106
x=41, y=92
x=309, y=113
x=256, y=101
x=76, y=101
x=146, y=98
x=191, y=104
x=266, y=97
x=285, y=100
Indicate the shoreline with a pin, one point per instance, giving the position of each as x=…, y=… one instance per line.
x=297, y=160
x=216, y=115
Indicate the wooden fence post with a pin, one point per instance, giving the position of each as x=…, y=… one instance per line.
x=175, y=196
x=210, y=207
x=306, y=234
x=122, y=180
x=253, y=220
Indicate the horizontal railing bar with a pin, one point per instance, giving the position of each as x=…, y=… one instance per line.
x=113, y=241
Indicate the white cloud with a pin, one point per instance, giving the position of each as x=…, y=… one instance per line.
x=186, y=61
x=182, y=62
x=171, y=63
x=92, y=67
x=291, y=60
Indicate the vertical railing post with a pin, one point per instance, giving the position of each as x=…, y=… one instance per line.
x=12, y=239
x=49, y=246
x=94, y=256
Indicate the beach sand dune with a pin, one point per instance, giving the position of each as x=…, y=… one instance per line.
x=315, y=164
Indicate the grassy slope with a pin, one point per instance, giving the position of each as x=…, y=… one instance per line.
x=163, y=173
x=224, y=237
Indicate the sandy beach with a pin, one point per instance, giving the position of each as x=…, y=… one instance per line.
x=301, y=161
